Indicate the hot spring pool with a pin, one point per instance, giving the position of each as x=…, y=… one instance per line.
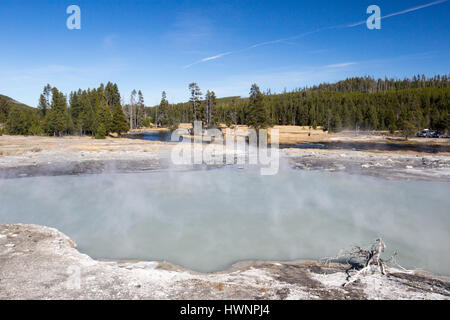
x=207, y=220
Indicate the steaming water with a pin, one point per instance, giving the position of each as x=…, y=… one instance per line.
x=207, y=220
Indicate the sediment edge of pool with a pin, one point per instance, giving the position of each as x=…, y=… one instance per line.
x=385, y=166
x=38, y=262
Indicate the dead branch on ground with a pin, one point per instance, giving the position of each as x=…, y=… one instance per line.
x=362, y=260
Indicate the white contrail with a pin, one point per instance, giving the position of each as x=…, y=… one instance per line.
x=208, y=59
x=287, y=39
x=401, y=12
x=341, y=65
x=315, y=31
x=415, y=8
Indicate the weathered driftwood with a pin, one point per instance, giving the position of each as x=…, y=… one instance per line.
x=371, y=257
x=362, y=260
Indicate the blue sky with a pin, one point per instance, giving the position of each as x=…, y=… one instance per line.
x=224, y=46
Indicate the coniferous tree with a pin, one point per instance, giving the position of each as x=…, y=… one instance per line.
x=42, y=105
x=57, y=120
x=4, y=107
x=195, y=99
x=18, y=122
x=390, y=121
x=408, y=129
x=76, y=109
x=112, y=94
x=258, y=116
x=119, y=121
x=44, y=100
x=140, y=110
x=161, y=111
x=101, y=132
x=209, y=110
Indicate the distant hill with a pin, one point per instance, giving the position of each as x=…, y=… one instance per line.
x=228, y=99
x=13, y=102
x=6, y=103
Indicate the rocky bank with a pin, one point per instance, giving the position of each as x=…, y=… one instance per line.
x=38, y=262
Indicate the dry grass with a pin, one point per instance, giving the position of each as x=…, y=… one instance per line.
x=19, y=145
x=287, y=134
x=291, y=135
x=185, y=126
x=297, y=134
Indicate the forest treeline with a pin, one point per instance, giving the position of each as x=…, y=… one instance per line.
x=357, y=103
x=95, y=112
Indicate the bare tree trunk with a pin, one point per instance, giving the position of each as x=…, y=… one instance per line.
x=131, y=117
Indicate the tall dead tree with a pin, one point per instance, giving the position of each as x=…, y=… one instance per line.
x=140, y=110
x=132, y=107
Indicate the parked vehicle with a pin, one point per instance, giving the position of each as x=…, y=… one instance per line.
x=427, y=133
x=423, y=133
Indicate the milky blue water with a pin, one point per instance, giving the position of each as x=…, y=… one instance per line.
x=207, y=220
